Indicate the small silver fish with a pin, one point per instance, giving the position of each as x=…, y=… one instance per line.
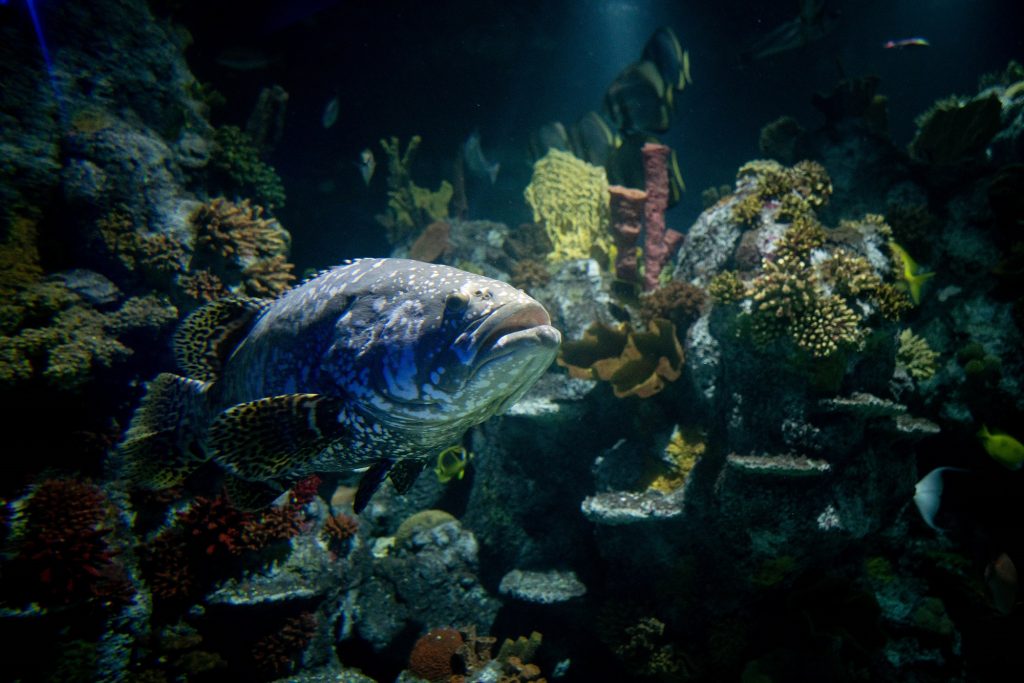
x=475, y=160
x=330, y=112
x=379, y=362
x=366, y=164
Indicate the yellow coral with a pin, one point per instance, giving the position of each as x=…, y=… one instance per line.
x=410, y=207
x=915, y=356
x=570, y=197
x=684, y=448
x=433, y=204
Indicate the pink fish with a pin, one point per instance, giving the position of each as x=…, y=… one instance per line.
x=905, y=42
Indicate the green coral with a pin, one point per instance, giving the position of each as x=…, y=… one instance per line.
x=67, y=350
x=410, y=208
x=235, y=154
x=915, y=356
x=570, y=197
x=48, y=331
x=952, y=130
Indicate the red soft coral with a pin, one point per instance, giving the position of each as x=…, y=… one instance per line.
x=63, y=553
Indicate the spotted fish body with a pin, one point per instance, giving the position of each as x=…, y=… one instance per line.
x=378, y=362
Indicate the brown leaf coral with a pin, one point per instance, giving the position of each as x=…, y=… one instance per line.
x=635, y=363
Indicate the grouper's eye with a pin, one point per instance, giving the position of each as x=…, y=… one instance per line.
x=456, y=302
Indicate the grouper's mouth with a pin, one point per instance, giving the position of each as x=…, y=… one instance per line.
x=511, y=328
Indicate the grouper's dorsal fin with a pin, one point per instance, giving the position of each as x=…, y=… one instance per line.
x=206, y=338
x=271, y=437
x=163, y=443
x=402, y=473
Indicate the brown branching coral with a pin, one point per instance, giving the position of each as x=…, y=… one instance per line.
x=679, y=302
x=236, y=231
x=529, y=274
x=269, y=277
x=202, y=286
x=244, y=250
x=727, y=288
x=136, y=249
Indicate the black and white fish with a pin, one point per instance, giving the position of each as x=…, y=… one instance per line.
x=379, y=362
x=476, y=162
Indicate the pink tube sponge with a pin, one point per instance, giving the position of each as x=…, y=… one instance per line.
x=659, y=242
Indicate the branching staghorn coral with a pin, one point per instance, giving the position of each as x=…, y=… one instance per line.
x=915, y=356
x=797, y=189
x=811, y=293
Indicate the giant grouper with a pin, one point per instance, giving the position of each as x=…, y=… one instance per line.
x=378, y=363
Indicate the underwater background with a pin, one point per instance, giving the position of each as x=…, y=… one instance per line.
x=782, y=243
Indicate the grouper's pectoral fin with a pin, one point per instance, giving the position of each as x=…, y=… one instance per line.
x=402, y=473
x=250, y=495
x=275, y=436
x=206, y=338
x=163, y=443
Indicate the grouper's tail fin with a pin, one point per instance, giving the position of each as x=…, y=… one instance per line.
x=165, y=440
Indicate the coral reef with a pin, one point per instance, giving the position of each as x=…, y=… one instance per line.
x=570, y=197
x=63, y=550
x=236, y=155
x=779, y=140
x=278, y=653
x=634, y=363
x=660, y=242
x=245, y=252
x=953, y=131
x=432, y=243
x=66, y=342
x=410, y=207
x=433, y=654
x=915, y=357
x=627, y=212
x=678, y=302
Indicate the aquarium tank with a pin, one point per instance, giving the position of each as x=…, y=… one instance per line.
x=511, y=342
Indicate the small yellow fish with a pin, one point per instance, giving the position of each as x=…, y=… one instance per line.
x=911, y=272
x=1003, y=448
x=451, y=463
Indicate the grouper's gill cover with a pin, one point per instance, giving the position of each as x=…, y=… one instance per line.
x=379, y=361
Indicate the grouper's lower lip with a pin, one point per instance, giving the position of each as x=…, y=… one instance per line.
x=511, y=327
